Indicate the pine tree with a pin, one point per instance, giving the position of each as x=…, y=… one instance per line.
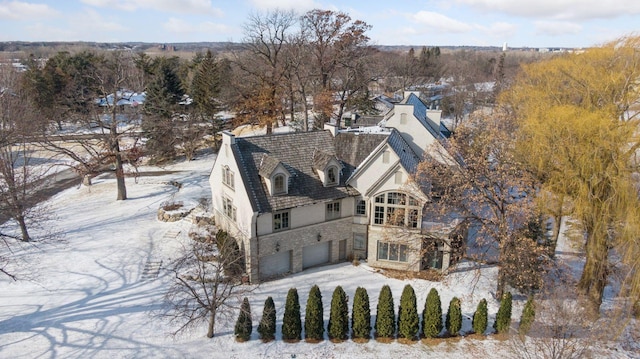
x=244, y=326
x=313, y=320
x=480, y=318
x=432, y=315
x=503, y=317
x=267, y=326
x=385, y=325
x=291, y=323
x=454, y=317
x=408, y=319
x=361, y=315
x=339, y=316
x=528, y=316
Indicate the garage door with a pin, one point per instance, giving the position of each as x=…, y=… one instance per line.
x=275, y=265
x=315, y=255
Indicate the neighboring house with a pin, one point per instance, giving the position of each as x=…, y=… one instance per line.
x=304, y=199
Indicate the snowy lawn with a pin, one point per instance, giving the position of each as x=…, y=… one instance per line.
x=96, y=294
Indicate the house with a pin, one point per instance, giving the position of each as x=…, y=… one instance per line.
x=304, y=199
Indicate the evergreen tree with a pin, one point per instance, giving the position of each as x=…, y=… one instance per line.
x=432, y=315
x=244, y=326
x=161, y=106
x=454, y=317
x=339, y=316
x=480, y=318
x=408, y=319
x=267, y=326
x=503, y=317
x=361, y=315
x=528, y=316
x=385, y=325
x=291, y=323
x=313, y=320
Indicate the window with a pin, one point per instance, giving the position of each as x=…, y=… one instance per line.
x=396, y=209
x=280, y=221
x=361, y=207
x=392, y=252
x=333, y=211
x=228, y=208
x=332, y=175
x=279, y=184
x=359, y=241
x=228, y=177
x=385, y=157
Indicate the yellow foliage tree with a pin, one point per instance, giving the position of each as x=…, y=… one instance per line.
x=578, y=135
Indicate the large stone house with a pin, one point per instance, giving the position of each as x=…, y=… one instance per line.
x=305, y=199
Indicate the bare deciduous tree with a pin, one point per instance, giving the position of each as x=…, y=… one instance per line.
x=208, y=282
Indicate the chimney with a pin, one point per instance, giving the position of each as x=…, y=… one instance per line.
x=228, y=138
x=331, y=128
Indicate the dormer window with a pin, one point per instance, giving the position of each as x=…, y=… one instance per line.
x=332, y=176
x=279, y=184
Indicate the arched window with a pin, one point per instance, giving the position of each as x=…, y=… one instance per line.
x=396, y=209
x=279, y=184
x=332, y=176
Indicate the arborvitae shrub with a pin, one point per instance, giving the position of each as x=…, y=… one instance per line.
x=385, y=325
x=291, y=324
x=432, y=315
x=503, y=317
x=454, y=317
x=339, y=316
x=408, y=319
x=313, y=320
x=528, y=316
x=480, y=318
x=361, y=315
x=267, y=326
x=244, y=326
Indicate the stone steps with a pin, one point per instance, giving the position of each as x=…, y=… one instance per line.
x=151, y=270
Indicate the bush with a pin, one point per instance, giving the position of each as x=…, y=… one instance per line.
x=267, y=326
x=503, y=317
x=244, y=326
x=528, y=316
x=291, y=323
x=385, y=325
x=339, y=316
x=408, y=320
x=432, y=315
x=454, y=317
x=361, y=315
x=313, y=319
x=480, y=318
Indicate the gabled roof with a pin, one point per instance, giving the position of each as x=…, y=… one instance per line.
x=321, y=159
x=295, y=152
x=267, y=165
x=408, y=159
x=354, y=147
x=420, y=112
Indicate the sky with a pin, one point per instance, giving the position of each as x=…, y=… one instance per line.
x=519, y=23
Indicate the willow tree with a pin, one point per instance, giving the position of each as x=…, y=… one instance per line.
x=578, y=135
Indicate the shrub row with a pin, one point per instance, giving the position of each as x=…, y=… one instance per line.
x=406, y=325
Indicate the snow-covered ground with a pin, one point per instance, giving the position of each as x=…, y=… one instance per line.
x=90, y=295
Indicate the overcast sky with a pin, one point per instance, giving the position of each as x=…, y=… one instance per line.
x=520, y=23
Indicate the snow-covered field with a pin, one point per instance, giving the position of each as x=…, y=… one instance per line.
x=89, y=296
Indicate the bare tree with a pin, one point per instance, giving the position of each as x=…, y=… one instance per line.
x=485, y=186
x=208, y=282
x=93, y=98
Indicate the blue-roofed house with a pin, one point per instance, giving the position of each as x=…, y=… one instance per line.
x=305, y=199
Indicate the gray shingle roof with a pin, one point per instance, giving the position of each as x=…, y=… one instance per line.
x=267, y=165
x=353, y=148
x=408, y=158
x=295, y=151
